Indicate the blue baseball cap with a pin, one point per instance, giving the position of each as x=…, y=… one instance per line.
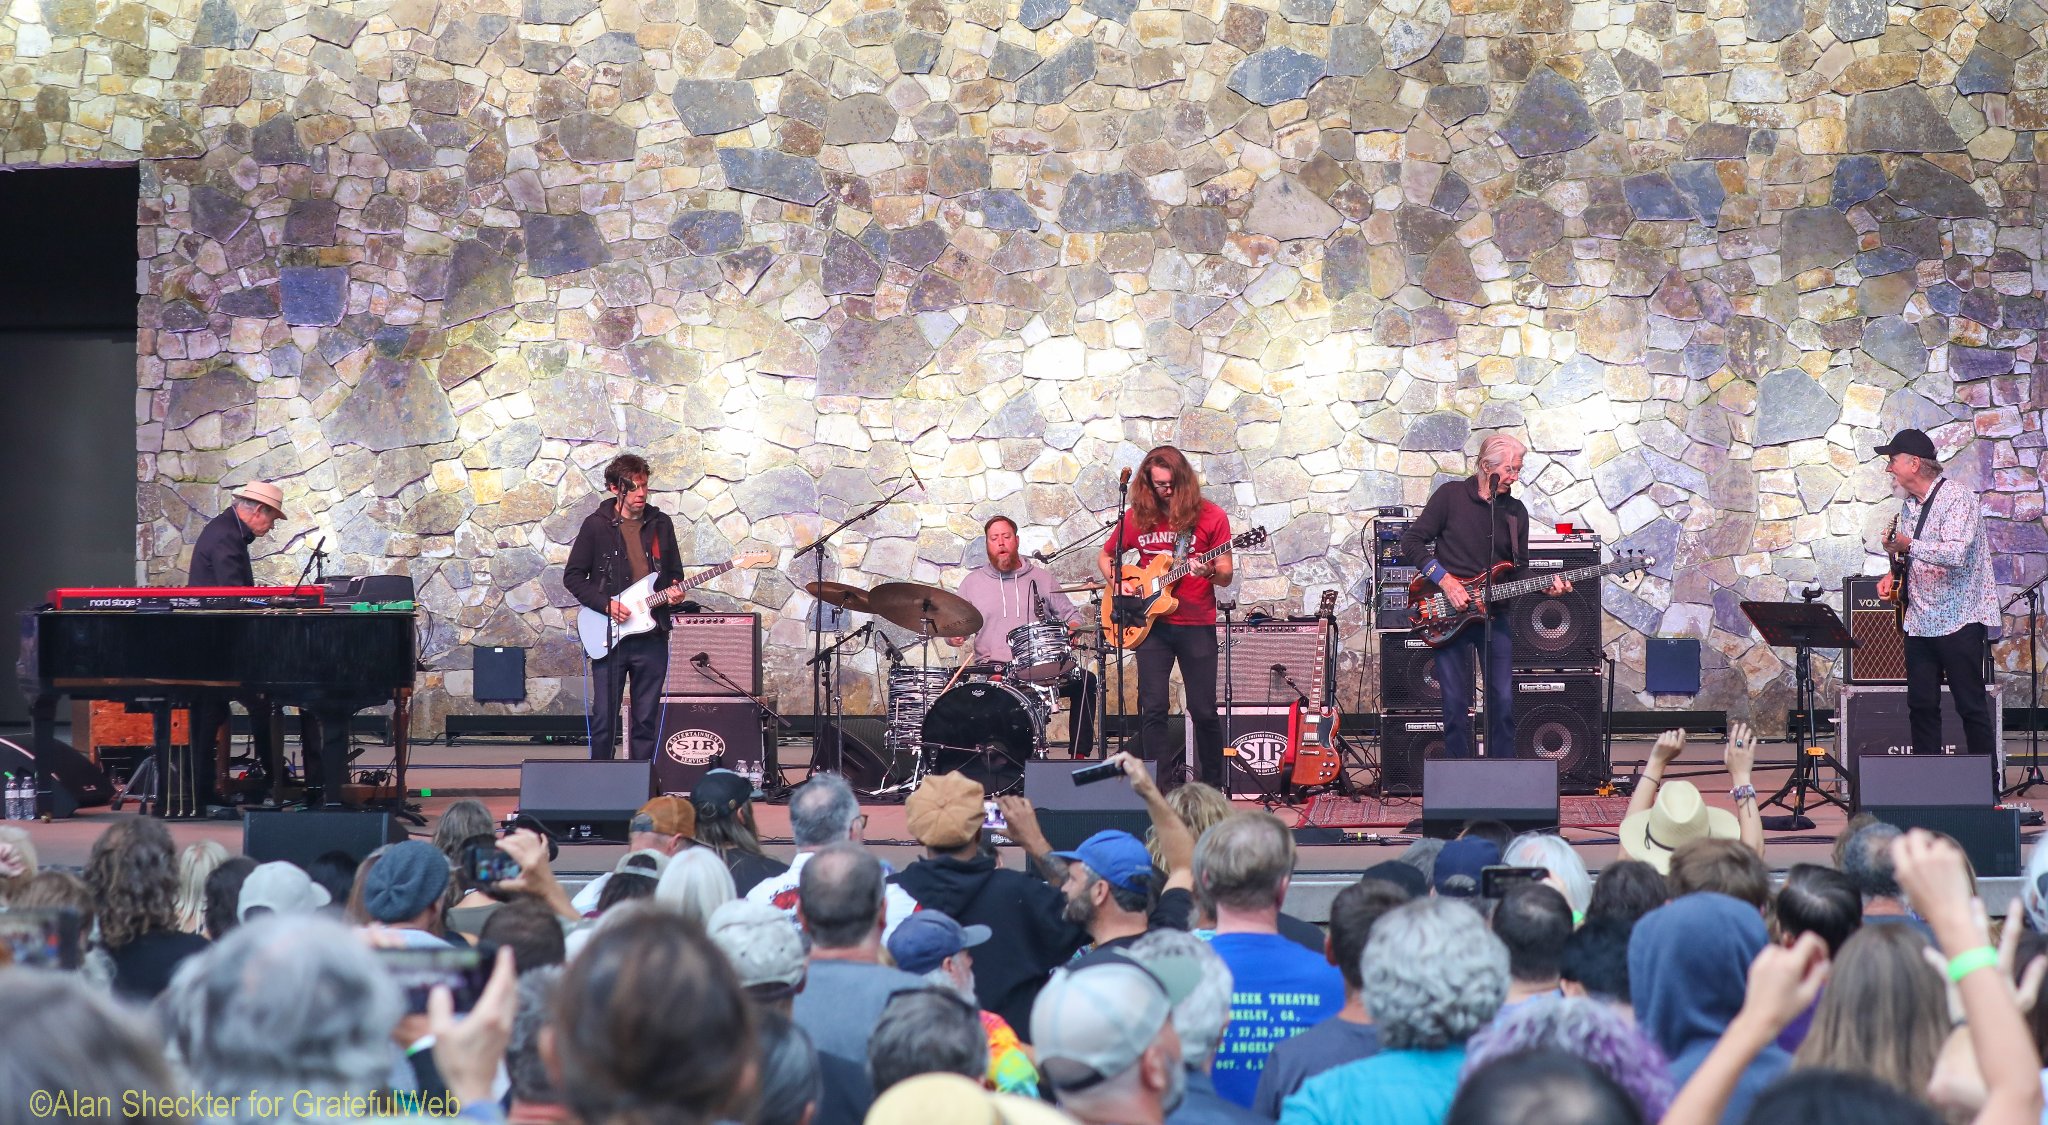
x=1115, y=856
x=923, y=941
x=1457, y=867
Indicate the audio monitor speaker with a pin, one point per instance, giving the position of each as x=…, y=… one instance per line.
x=1070, y=813
x=303, y=836
x=1520, y=792
x=583, y=798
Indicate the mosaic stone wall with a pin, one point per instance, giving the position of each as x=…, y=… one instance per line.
x=429, y=264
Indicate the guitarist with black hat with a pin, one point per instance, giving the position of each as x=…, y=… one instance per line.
x=1950, y=598
x=1452, y=538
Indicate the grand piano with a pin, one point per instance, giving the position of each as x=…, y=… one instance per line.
x=168, y=647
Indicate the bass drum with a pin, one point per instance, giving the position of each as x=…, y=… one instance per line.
x=986, y=731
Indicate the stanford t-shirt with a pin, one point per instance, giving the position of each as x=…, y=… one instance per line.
x=1197, y=595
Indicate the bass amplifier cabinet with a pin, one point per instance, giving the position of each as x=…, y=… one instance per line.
x=1407, y=741
x=1880, y=657
x=731, y=641
x=1559, y=718
x=1872, y=720
x=1408, y=674
x=1265, y=656
x=1558, y=632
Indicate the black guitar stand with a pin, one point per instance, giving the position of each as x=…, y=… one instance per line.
x=1801, y=626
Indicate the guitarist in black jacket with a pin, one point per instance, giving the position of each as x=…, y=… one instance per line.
x=1449, y=543
x=619, y=544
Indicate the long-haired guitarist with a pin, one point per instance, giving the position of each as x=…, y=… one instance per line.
x=1169, y=516
x=623, y=541
x=1451, y=543
x=1951, y=601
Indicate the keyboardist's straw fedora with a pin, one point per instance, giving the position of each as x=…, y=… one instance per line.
x=1680, y=816
x=265, y=493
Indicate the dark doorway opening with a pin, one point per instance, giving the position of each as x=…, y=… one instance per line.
x=67, y=387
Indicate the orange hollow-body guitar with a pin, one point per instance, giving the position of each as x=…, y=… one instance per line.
x=1155, y=589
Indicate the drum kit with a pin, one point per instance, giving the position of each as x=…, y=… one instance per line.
x=984, y=720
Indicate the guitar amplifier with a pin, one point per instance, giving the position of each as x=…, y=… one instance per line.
x=1408, y=674
x=1880, y=657
x=1559, y=717
x=1872, y=720
x=1558, y=632
x=1251, y=757
x=1300, y=649
x=1407, y=741
x=731, y=641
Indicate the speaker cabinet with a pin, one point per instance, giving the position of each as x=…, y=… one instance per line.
x=1873, y=721
x=731, y=642
x=1408, y=674
x=78, y=783
x=1559, y=718
x=1880, y=656
x=1252, y=754
x=1553, y=632
x=302, y=837
x=700, y=734
x=1406, y=742
x=1070, y=813
x=498, y=674
x=1264, y=657
x=1521, y=793
x=581, y=799
x=1939, y=780
x=1989, y=836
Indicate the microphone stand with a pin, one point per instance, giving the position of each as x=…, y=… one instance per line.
x=315, y=557
x=1101, y=695
x=1486, y=624
x=1115, y=596
x=818, y=637
x=2033, y=776
x=767, y=712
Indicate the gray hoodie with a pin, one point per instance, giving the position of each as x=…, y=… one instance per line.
x=1005, y=602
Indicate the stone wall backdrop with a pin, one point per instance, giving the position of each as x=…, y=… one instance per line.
x=429, y=264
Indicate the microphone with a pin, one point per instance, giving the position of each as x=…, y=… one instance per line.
x=1279, y=672
x=1123, y=479
x=701, y=659
x=1042, y=555
x=1493, y=484
x=1100, y=771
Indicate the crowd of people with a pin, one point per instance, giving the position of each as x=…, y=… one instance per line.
x=1486, y=980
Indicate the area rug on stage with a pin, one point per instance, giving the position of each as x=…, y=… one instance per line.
x=1371, y=812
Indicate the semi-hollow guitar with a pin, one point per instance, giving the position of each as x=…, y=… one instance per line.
x=1312, y=758
x=1155, y=589
x=1900, y=565
x=1432, y=617
x=641, y=599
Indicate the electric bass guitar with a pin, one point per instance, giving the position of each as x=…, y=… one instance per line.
x=1432, y=617
x=1312, y=757
x=1900, y=565
x=1155, y=598
x=599, y=632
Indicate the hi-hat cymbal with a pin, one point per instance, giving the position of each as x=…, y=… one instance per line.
x=839, y=594
x=1089, y=586
x=917, y=607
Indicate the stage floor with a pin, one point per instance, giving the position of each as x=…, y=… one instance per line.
x=490, y=773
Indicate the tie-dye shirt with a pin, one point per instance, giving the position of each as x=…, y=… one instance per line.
x=1009, y=1068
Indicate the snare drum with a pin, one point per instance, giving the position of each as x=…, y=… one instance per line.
x=986, y=731
x=1040, y=653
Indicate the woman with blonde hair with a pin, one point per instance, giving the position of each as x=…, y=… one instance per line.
x=1200, y=806
x=694, y=884
x=1885, y=1012
x=195, y=863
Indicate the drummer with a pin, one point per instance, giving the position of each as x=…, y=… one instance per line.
x=1012, y=591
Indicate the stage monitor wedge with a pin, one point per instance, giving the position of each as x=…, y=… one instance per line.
x=584, y=800
x=1989, y=836
x=302, y=836
x=1069, y=813
x=1520, y=792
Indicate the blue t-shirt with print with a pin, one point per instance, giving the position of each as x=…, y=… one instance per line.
x=1278, y=990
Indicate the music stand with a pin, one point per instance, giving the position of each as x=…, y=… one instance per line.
x=1801, y=626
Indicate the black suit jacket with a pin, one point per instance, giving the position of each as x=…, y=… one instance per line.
x=221, y=557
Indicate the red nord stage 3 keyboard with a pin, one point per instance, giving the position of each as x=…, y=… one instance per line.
x=188, y=597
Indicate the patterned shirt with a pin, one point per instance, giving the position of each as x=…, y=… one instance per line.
x=1949, y=584
x=1009, y=1069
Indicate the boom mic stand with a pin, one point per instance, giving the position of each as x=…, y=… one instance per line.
x=818, y=690
x=767, y=712
x=1101, y=700
x=2033, y=777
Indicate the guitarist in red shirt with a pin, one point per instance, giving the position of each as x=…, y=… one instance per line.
x=1449, y=542
x=1169, y=516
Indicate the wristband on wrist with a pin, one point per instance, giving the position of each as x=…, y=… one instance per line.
x=1742, y=793
x=1970, y=960
x=1434, y=570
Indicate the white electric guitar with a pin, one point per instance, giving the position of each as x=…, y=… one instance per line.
x=600, y=632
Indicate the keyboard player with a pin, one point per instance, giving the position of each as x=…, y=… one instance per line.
x=221, y=558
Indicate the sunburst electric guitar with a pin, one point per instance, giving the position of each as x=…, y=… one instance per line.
x=1155, y=588
x=1900, y=564
x=1312, y=758
x=641, y=599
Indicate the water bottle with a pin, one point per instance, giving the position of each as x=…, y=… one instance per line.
x=754, y=773
x=14, y=798
x=23, y=805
